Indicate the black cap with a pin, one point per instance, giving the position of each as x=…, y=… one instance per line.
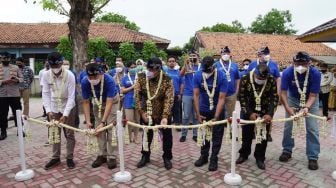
x=302, y=57
x=154, y=63
x=5, y=54
x=55, y=58
x=226, y=49
x=262, y=70
x=92, y=69
x=208, y=63
x=264, y=50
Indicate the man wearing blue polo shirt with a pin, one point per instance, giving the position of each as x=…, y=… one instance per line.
x=210, y=87
x=265, y=57
x=231, y=71
x=178, y=88
x=300, y=86
x=104, y=108
x=191, y=66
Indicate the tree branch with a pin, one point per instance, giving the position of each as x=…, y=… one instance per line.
x=99, y=8
x=62, y=9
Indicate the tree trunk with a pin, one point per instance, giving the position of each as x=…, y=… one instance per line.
x=81, y=13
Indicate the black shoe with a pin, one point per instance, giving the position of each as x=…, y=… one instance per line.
x=269, y=138
x=182, y=139
x=284, y=157
x=111, y=163
x=143, y=161
x=240, y=160
x=213, y=165
x=195, y=138
x=70, y=164
x=52, y=163
x=99, y=161
x=312, y=164
x=3, y=135
x=261, y=164
x=201, y=161
x=168, y=164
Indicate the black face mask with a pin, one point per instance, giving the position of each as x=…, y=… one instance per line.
x=5, y=63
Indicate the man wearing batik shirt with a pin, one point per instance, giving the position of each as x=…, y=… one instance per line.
x=58, y=95
x=258, y=98
x=154, y=96
x=231, y=71
x=188, y=70
x=300, y=86
x=210, y=87
x=264, y=57
x=102, y=89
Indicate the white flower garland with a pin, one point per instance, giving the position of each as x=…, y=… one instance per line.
x=304, y=90
x=150, y=98
x=59, y=90
x=227, y=71
x=257, y=96
x=100, y=102
x=212, y=94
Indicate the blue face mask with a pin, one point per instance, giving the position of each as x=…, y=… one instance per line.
x=133, y=71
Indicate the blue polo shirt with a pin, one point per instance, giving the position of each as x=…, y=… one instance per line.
x=82, y=75
x=188, y=81
x=108, y=92
x=129, y=96
x=272, y=65
x=288, y=81
x=112, y=72
x=177, y=79
x=221, y=86
x=234, y=75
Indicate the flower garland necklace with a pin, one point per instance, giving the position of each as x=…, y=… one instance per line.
x=100, y=102
x=256, y=96
x=304, y=90
x=59, y=90
x=212, y=94
x=150, y=98
x=227, y=71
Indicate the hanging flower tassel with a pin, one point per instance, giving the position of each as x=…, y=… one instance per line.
x=295, y=127
x=156, y=138
x=208, y=133
x=54, y=136
x=91, y=142
x=200, y=136
x=228, y=133
x=301, y=125
x=240, y=134
x=264, y=132
x=27, y=131
x=114, y=136
x=145, y=140
x=333, y=129
x=126, y=135
x=258, y=131
x=324, y=127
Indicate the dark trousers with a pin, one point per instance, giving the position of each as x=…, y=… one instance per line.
x=5, y=103
x=217, y=137
x=324, y=97
x=177, y=111
x=167, y=141
x=248, y=135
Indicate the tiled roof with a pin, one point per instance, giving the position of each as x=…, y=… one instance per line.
x=244, y=45
x=41, y=33
x=324, y=27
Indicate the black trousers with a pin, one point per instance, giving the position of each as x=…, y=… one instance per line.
x=5, y=103
x=324, y=97
x=248, y=135
x=217, y=137
x=177, y=111
x=167, y=141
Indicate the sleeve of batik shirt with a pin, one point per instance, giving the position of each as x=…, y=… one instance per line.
x=137, y=93
x=273, y=97
x=169, y=99
x=244, y=96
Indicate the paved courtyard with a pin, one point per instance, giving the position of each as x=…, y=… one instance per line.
x=184, y=173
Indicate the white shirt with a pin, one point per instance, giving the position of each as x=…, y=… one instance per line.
x=49, y=94
x=326, y=79
x=41, y=74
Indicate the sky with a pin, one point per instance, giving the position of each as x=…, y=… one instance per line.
x=178, y=20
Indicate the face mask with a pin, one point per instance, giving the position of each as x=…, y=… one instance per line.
x=267, y=58
x=56, y=70
x=94, y=82
x=133, y=71
x=226, y=57
x=119, y=69
x=259, y=82
x=66, y=67
x=150, y=74
x=5, y=63
x=245, y=67
x=300, y=69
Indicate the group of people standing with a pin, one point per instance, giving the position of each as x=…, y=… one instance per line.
x=204, y=89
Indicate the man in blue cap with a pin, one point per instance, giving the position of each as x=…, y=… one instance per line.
x=300, y=86
x=210, y=87
x=256, y=85
x=58, y=95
